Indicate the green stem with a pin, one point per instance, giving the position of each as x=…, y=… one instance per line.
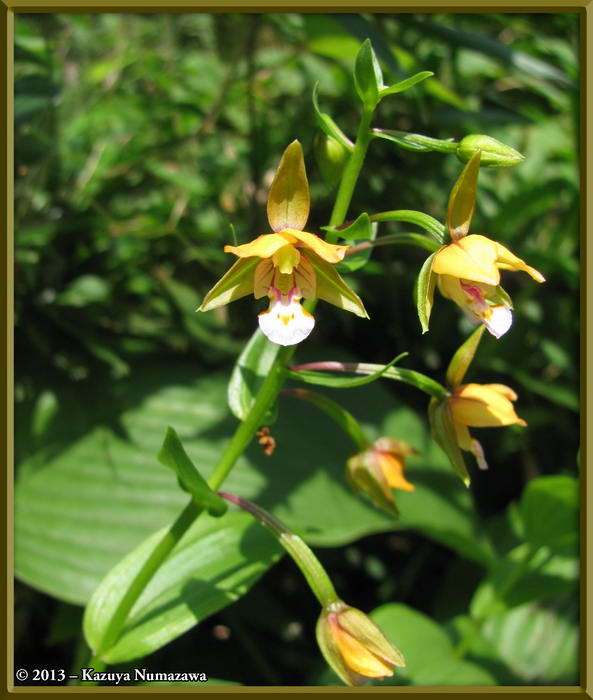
x=466, y=642
x=415, y=239
x=351, y=173
x=267, y=395
x=242, y=437
x=149, y=568
x=304, y=558
x=340, y=415
x=419, y=218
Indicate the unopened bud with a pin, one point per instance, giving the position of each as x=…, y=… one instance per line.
x=331, y=158
x=354, y=646
x=379, y=469
x=494, y=153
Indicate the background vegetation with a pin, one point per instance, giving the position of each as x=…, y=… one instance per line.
x=139, y=140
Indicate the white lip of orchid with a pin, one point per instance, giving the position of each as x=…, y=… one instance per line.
x=497, y=319
x=285, y=322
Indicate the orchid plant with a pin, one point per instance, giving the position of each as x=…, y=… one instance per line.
x=293, y=268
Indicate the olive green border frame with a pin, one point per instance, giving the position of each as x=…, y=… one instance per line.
x=584, y=8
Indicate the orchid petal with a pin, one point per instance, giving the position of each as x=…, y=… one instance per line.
x=263, y=246
x=286, y=322
x=327, y=251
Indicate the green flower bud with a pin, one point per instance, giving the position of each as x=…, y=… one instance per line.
x=354, y=646
x=331, y=158
x=494, y=153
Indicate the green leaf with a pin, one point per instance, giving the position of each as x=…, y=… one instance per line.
x=173, y=455
x=359, y=229
x=96, y=492
x=332, y=288
x=405, y=84
x=328, y=125
x=463, y=358
x=428, y=652
x=549, y=509
x=545, y=576
x=288, y=199
x=424, y=292
x=463, y=199
x=214, y=564
x=539, y=641
x=368, y=77
x=415, y=142
x=235, y=284
x=443, y=431
x=249, y=372
x=86, y=289
x=354, y=261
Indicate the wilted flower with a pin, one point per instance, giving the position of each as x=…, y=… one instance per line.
x=379, y=469
x=287, y=265
x=354, y=646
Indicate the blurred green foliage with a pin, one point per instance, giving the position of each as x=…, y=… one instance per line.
x=141, y=142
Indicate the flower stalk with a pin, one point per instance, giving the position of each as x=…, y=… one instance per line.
x=314, y=573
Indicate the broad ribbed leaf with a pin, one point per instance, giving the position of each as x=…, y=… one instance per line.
x=539, y=641
x=215, y=563
x=288, y=199
x=428, y=651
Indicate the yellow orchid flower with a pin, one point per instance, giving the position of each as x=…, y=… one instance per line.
x=354, y=646
x=287, y=265
x=469, y=406
x=467, y=270
x=379, y=469
x=481, y=406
